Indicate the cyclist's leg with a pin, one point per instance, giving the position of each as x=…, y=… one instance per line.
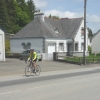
x=38, y=70
x=34, y=64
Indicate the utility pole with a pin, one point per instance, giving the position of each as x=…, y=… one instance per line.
x=84, y=54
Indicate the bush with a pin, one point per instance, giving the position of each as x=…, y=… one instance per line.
x=89, y=49
x=7, y=46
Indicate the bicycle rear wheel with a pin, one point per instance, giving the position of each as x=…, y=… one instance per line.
x=38, y=70
x=28, y=71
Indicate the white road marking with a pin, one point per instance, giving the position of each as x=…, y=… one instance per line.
x=10, y=92
x=25, y=89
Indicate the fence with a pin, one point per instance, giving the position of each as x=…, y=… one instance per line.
x=62, y=56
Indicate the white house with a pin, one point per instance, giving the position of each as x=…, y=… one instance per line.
x=2, y=46
x=96, y=43
x=51, y=35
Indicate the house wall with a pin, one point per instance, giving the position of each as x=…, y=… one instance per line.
x=2, y=46
x=49, y=56
x=79, y=39
x=96, y=43
x=16, y=47
x=57, y=41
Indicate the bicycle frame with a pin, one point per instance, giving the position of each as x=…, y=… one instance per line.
x=31, y=68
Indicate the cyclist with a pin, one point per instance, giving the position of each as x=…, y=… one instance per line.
x=33, y=57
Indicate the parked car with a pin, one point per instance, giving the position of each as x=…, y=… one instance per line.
x=25, y=54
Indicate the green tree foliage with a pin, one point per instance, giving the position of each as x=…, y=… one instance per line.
x=12, y=14
x=89, y=49
x=7, y=46
x=55, y=17
x=90, y=32
x=15, y=14
x=31, y=9
x=3, y=15
x=22, y=13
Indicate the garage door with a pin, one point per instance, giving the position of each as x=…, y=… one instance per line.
x=1, y=48
x=51, y=47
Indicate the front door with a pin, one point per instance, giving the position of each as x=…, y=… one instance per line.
x=69, y=48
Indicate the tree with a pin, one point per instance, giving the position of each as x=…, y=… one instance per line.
x=7, y=46
x=3, y=15
x=55, y=17
x=90, y=32
x=15, y=14
x=22, y=13
x=31, y=8
x=12, y=14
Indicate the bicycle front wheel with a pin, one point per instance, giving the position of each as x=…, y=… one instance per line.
x=28, y=71
x=38, y=70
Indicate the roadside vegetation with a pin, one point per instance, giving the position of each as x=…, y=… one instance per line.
x=15, y=14
x=7, y=46
x=92, y=58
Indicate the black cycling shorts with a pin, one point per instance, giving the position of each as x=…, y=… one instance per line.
x=35, y=60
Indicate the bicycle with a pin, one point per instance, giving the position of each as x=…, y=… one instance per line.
x=30, y=69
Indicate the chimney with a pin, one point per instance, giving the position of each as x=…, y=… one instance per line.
x=40, y=15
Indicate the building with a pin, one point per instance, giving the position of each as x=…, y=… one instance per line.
x=2, y=45
x=50, y=35
x=96, y=43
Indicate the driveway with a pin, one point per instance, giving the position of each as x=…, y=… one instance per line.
x=16, y=66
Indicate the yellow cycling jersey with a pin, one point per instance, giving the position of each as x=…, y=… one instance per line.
x=32, y=56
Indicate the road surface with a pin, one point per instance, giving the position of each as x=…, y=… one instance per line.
x=76, y=85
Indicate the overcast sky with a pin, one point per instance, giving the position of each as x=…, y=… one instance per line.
x=72, y=9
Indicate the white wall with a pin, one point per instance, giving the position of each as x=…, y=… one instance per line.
x=96, y=43
x=2, y=46
x=16, y=47
x=79, y=39
x=57, y=41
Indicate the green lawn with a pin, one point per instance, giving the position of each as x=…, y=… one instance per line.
x=91, y=58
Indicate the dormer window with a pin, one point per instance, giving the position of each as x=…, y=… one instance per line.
x=56, y=30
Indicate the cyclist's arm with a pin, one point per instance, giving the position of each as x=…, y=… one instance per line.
x=29, y=57
x=34, y=56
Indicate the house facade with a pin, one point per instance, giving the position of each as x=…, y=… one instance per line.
x=2, y=46
x=50, y=35
x=96, y=43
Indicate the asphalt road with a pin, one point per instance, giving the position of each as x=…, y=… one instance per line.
x=16, y=66
x=81, y=85
x=50, y=77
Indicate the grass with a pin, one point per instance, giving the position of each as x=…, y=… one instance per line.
x=90, y=59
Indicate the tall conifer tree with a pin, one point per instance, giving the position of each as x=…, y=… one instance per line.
x=31, y=7
x=3, y=15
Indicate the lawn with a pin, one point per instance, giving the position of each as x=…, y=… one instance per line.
x=90, y=59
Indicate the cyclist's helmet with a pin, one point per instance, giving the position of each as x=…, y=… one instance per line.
x=31, y=50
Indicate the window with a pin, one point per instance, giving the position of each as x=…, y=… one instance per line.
x=61, y=46
x=82, y=46
x=24, y=45
x=76, y=46
x=56, y=30
x=82, y=32
x=28, y=45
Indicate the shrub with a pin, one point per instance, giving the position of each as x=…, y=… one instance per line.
x=89, y=49
x=7, y=46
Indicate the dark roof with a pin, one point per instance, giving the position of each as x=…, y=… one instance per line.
x=98, y=32
x=67, y=28
x=2, y=29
